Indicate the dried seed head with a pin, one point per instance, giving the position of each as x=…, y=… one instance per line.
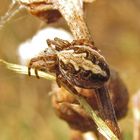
x=44, y=9
x=70, y=111
x=119, y=94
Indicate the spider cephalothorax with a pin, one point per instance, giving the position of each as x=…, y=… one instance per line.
x=75, y=63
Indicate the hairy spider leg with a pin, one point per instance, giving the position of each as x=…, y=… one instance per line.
x=39, y=66
x=58, y=43
x=30, y=64
x=52, y=42
x=67, y=85
x=63, y=43
x=84, y=42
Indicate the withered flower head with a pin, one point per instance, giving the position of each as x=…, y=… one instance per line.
x=45, y=10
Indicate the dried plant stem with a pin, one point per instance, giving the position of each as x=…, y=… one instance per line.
x=13, y=9
x=106, y=110
x=105, y=131
x=73, y=14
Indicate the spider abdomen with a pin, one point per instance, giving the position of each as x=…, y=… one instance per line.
x=83, y=67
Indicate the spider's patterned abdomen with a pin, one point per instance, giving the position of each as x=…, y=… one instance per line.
x=83, y=66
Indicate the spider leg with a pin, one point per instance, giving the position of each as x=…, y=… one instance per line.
x=29, y=71
x=55, y=43
x=36, y=64
x=58, y=82
x=30, y=65
x=67, y=85
x=63, y=43
x=36, y=73
x=84, y=42
x=58, y=43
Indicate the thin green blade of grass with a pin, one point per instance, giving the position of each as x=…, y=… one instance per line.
x=102, y=127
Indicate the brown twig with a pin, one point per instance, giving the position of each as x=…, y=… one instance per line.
x=73, y=14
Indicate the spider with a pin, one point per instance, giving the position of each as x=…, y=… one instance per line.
x=74, y=64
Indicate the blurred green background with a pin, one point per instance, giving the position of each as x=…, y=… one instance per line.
x=25, y=107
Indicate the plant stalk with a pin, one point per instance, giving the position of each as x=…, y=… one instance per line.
x=73, y=13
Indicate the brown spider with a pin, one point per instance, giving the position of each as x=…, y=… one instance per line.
x=74, y=64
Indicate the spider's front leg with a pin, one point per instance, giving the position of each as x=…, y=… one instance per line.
x=33, y=64
x=42, y=63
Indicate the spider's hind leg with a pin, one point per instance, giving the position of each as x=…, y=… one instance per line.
x=51, y=43
x=82, y=42
x=63, y=43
